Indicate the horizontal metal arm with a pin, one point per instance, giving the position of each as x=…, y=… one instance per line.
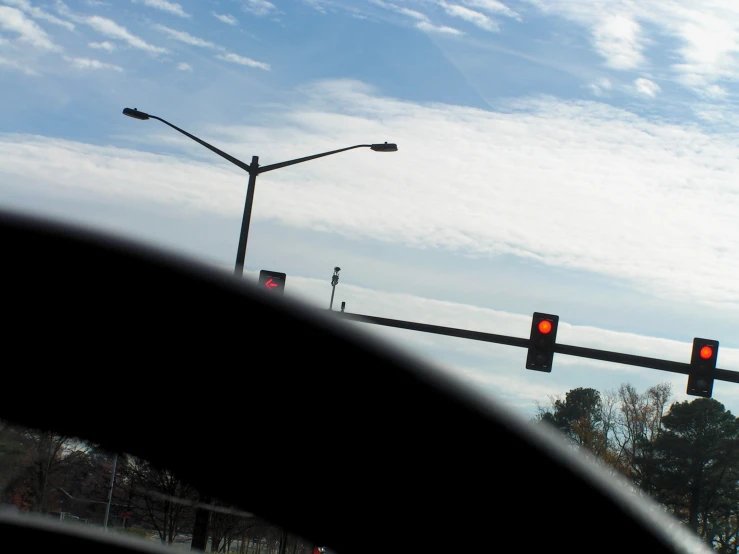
x=566, y=349
x=210, y=147
x=436, y=329
x=270, y=167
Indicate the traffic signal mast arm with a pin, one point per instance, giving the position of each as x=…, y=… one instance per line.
x=566, y=349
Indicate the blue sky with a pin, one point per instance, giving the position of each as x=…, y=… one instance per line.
x=569, y=156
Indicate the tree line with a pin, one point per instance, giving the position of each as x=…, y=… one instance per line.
x=685, y=455
x=58, y=475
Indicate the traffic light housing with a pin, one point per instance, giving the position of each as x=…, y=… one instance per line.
x=272, y=281
x=542, y=340
x=703, y=366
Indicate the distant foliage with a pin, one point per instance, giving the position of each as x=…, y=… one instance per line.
x=684, y=454
x=41, y=471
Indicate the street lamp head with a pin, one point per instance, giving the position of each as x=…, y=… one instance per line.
x=135, y=114
x=384, y=147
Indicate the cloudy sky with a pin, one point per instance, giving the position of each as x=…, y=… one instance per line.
x=575, y=157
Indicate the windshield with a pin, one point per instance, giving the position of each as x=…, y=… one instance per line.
x=461, y=164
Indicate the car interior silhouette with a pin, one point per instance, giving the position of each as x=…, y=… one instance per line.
x=366, y=448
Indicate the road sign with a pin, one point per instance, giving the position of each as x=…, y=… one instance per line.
x=272, y=281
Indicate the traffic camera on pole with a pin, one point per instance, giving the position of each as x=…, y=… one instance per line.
x=541, y=342
x=703, y=367
x=272, y=281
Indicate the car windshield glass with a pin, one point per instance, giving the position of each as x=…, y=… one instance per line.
x=76, y=482
x=538, y=197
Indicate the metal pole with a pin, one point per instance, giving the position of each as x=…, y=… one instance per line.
x=246, y=219
x=579, y=351
x=334, y=282
x=110, y=492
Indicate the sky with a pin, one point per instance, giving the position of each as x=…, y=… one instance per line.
x=573, y=157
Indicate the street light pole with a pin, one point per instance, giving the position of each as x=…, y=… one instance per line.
x=110, y=492
x=253, y=170
x=246, y=218
x=334, y=282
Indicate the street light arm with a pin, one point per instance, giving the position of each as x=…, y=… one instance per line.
x=210, y=147
x=270, y=167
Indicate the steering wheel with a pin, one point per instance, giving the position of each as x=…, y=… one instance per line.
x=280, y=409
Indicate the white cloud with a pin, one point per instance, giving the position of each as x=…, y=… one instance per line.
x=226, y=18
x=187, y=38
x=38, y=13
x=471, y=16
x=242, y=60
x=580, y=186
x=202, y=43
x=184, y=66
x=443, y=29
x=617, y=39
x=646, y=87
x=709, y=113
x=710, y=46
x=165, y=6
x=64, y=10
x=15, y=21
x=514, y=387
x=400, y=9
x=411, y=13
x=105, y=45
x=88, y=63
x=715, y=92
x=111, y=29
x=601, y=86
x=317, y=5
x=259, y=7
x=423, y=23
x=494, y=7
x=707, y=33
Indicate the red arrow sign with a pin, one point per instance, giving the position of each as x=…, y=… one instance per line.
x=270, y=285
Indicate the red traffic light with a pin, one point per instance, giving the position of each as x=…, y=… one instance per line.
x=703, y=367
x=542, y=341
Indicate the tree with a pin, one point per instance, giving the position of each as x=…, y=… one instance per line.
x=48, y=459
x=579, y=416
x=13, y=454
x=638, y=426
x=726, y=536
x=47, y=455
x=223, y=529
x=158, y=498
x=693, y=466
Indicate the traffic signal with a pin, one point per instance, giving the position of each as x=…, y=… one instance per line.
x=542, y=341
x=703, y=365
x=272, y=281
